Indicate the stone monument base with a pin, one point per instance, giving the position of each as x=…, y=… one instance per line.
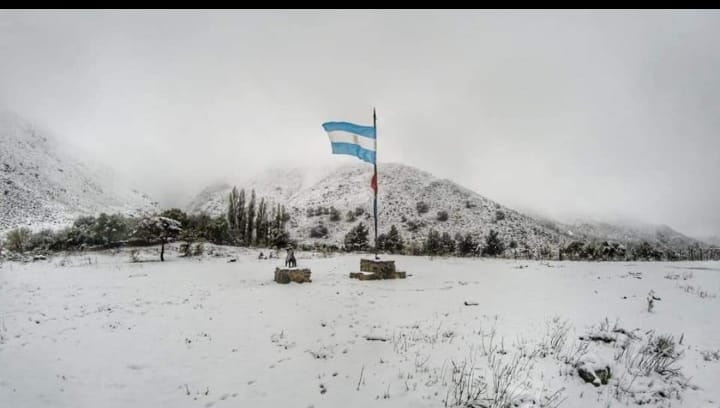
x=287, y=275
x=371, y=269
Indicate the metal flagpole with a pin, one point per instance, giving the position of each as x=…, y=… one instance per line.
x=376, y=182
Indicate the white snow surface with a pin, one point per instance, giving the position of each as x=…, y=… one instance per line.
x=46, y=184
x=95, y=330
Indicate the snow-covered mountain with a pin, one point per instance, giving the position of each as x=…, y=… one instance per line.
x=631, y=232
x=401, y=188
x=45, y=184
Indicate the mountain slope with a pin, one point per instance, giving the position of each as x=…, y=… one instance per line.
x=401, y=187
x=43, y=184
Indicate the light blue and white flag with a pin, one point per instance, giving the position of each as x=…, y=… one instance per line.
x=351, y=139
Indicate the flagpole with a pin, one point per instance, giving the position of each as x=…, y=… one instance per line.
x=376, y=188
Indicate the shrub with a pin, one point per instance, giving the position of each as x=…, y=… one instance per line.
x=414, y=225
x=442, y=216
x=422, y=207
x=318, y=231
x=18, y=239
x=334, y=214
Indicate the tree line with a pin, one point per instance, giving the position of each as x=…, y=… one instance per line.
x=257, y=223
x=250, y=223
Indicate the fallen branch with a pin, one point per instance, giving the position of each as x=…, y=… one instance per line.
x=375, y=338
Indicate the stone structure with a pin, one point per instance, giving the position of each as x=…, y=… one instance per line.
x=287, y=275
x=374, y=269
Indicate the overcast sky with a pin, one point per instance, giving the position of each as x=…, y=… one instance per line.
x=560, y=113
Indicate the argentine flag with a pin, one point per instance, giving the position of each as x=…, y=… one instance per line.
x=351, y=139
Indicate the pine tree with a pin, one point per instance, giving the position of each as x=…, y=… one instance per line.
x=493, y=245
x=447, y=244
x=357, y=238
x=395, y=242
x=250, y=216
x=433, y=243
x=466, y=245
x=382, y=243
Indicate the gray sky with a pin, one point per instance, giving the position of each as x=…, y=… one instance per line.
x=562, y=113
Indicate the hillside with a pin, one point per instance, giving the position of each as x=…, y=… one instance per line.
x=43, y=184
x=401, y=187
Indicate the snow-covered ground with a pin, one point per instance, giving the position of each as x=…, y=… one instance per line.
x=97, y=330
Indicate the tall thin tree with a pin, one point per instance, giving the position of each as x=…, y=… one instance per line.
x=250, y=219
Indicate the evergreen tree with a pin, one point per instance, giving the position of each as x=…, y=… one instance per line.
x=493, y=245
x=382, y=243
x=395, y=242
x=357, y=238
x=447, y=244
x=466, y=245
x=433, y=243
x=350, y=217
x=391, y=242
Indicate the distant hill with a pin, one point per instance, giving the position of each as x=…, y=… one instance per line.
x=633, y=233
